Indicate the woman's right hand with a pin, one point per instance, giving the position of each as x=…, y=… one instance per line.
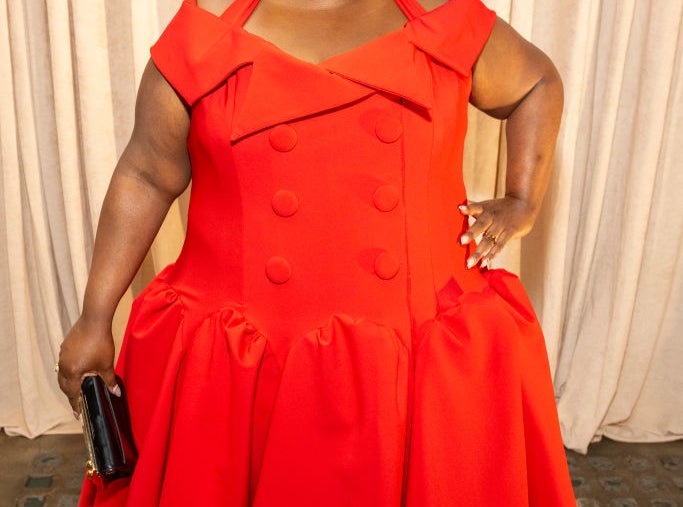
x=87, y=349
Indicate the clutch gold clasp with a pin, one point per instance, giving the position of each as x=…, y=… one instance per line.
x=89, y=469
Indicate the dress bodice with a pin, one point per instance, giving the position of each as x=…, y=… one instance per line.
x=320, y=188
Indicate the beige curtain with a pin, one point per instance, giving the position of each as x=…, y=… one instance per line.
x=68, y=76
x=620, y=316
x=603, y=265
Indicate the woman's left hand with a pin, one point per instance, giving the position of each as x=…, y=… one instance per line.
x=497, y=221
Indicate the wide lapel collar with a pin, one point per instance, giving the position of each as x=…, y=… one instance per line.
x=282, y=88
x=389, y=64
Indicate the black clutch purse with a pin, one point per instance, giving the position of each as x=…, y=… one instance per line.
x=107, y=431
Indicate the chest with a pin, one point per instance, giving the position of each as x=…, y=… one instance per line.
x=316, y=31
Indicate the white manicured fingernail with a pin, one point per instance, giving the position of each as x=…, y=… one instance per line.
x=470, y=262
x=464, y=239
x=462, y=208
x=116, y=391
x=484, y=263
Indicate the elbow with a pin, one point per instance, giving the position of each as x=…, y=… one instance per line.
x=550, y=87
x=545, y=98
x=165, y=177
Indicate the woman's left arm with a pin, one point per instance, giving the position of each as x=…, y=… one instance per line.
x=514, y=80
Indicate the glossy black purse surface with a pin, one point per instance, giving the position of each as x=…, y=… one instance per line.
x=106, y=426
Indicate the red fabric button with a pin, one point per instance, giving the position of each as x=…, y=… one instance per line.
x=386, y=265
x=285, y=203
x=283, y=137
x=388, y=129
x=386, y=197
x=278, y=270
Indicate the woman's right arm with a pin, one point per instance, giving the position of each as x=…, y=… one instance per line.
x=152, y=171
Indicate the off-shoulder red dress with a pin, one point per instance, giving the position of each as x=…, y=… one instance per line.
x=319, y=342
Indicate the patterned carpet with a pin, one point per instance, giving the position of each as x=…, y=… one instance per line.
x=47, y=472
x=628, y=475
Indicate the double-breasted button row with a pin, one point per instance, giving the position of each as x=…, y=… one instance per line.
x=388, y=129
x=283, y=137
x=279, y=271
x=285, y=203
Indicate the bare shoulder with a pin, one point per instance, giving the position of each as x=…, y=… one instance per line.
x=216, y=7
x=157, y=150
x=157, y=97
x=507, y=69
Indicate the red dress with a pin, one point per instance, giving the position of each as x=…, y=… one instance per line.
x=319, y=341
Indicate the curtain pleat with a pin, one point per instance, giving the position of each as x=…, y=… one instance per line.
x=66, y=164
x=33, y=296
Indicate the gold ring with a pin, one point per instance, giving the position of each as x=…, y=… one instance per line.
x=56, y=368
x=492, y=239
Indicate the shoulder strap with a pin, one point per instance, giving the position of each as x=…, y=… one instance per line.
x=411, y=8
x=236, y=12
x=239, y=11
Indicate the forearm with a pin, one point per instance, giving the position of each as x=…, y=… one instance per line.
x=153, y=170
x=531, y=133
x=131, y=215
x=515, y=81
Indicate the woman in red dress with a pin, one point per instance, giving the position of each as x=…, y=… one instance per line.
x=330, y=334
